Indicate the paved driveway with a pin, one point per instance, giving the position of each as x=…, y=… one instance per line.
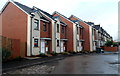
x=88, y=64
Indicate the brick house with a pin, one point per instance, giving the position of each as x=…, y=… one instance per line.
x=102, y=35
x=40, y=31
x=89, y=35
x=59, y=35
x=73, y=34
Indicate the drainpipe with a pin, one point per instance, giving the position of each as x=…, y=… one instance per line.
x=31, y=36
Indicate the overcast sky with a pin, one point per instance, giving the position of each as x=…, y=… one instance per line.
x=103, y=12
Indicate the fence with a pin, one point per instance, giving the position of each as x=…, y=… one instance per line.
x=16, y=47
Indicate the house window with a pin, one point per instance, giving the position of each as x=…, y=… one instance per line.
x=77, y=42
x=57, y=28
x=81, y=33
x=63, y=29
x=35, y=42
x=36, y=24
x=77, y=30
x=46, y=42
x=57, y=42
x=44, y=27
x=92, y=32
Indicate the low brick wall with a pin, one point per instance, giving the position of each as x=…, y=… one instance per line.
x=113, y=49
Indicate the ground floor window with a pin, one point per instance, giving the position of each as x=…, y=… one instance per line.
x=77, y=42
x=35, y=42
x=46, y=42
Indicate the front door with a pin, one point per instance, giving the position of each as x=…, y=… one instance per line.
x=42, y=46
x=80, y=46
x=62, y=46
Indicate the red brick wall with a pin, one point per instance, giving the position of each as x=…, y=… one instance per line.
x=14, y=26
x=72, y=18
x=86, y=37
x=81, y=33
x=69, y=32
x=48, y=33
x=45, y=34
x=63, y=35
x=15, y=48
x=14, y=23
x=113, y=49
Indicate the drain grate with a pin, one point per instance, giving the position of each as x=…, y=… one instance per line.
x=115, y=63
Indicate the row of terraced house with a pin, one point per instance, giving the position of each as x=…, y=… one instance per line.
x=44, y=33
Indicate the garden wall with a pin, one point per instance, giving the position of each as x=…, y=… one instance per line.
x=112, y=49
x=14, y=45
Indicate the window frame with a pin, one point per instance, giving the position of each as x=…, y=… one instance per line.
x=77, y=30
x=58, y=28
x=63, y=29
x=77, y=42
x=44, y=26
x=36, y=21
x=58, y=43
x=46, y=43
x=35, y=42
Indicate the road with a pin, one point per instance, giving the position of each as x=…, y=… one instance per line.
x=87, y=64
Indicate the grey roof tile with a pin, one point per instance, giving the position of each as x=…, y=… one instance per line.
x=24, y=7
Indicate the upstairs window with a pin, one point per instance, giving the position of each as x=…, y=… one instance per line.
x=77, y=30
x=44, y=27
x=58, y=28
x=63, y=29
x=36, y=24
x=35, y=42
x=81, y=33
x=92, y=32
x=57, y=42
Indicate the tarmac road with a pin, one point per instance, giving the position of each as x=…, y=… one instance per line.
x=88, y=64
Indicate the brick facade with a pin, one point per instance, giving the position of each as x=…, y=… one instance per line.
x=14, y=21
x=15, y=26
x=69, y=32
x=85, y=35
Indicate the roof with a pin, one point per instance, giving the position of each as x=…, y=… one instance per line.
x=96, y=27
x=74, y=20
x=63, y=23
x=78, y=19
x=46, y=13
x=59, y=19
x=90, y=23
x=44, y=18
x=30, y=10
x=24, y=7
x=62, y=16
